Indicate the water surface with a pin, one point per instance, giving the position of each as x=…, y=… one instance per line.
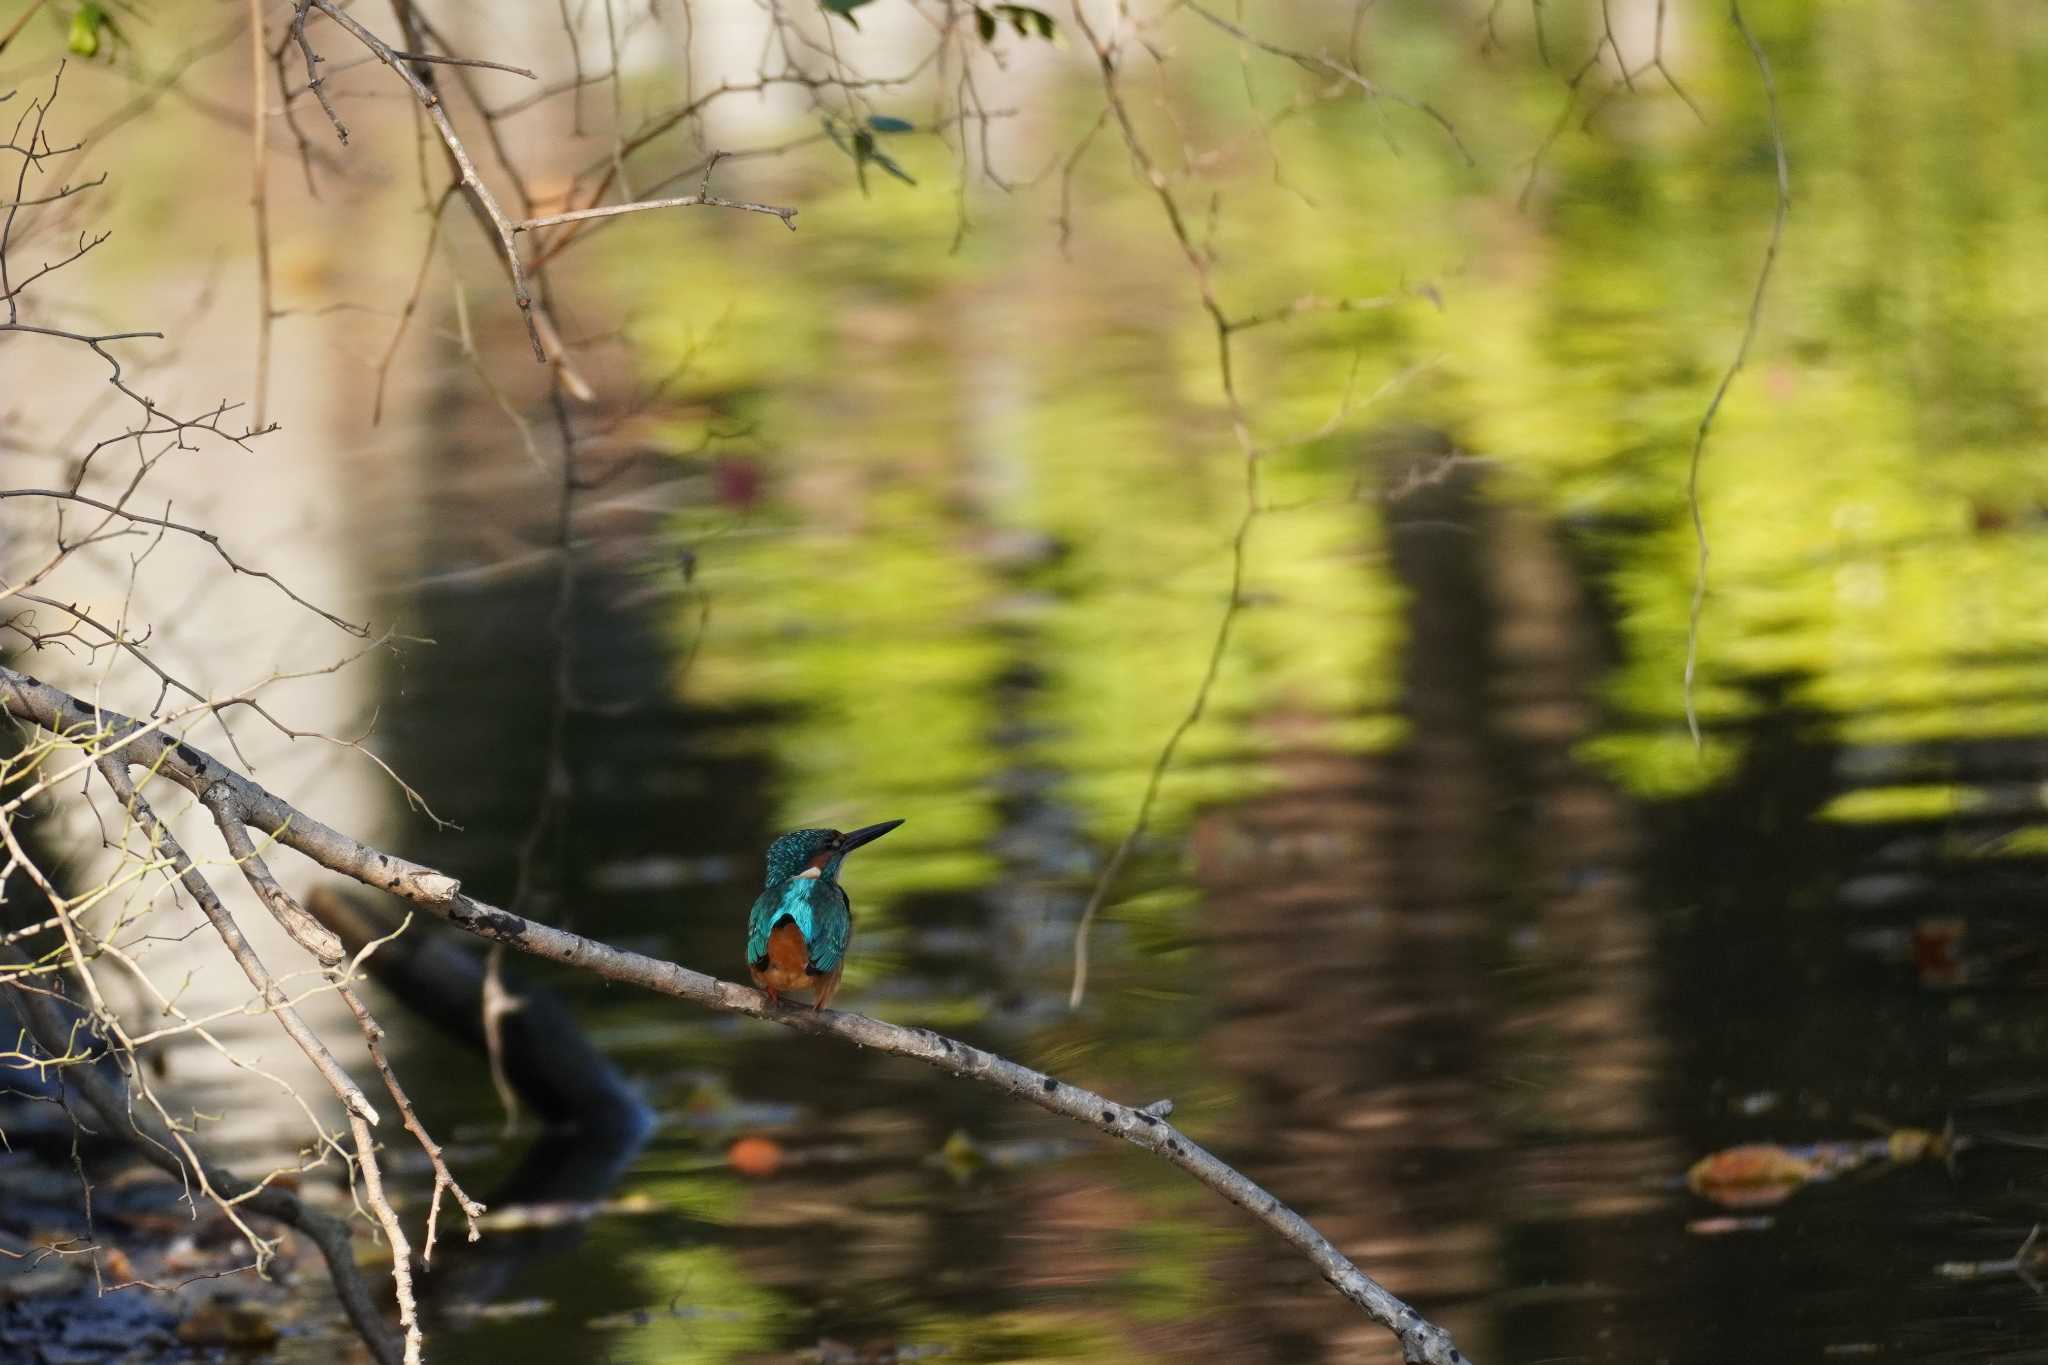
x=1443, y=928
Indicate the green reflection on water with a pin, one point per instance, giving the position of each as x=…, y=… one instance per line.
x=1039, y=1334
x=719, y=1313
x=1001, y=459
x=1887, y=804
x=1869, y=490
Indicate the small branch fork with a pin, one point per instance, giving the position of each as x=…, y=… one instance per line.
x=1323, y=64
x=483, y=204
x=29, y=140
x=162, y=1144
x=236, y=801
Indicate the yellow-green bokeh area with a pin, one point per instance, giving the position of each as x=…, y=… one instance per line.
x=914, y=429
x=1001, y=487
x=717, y=1312
x=1872, y=488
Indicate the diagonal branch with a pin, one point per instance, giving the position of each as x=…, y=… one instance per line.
x=444, y=1179
x=57, y=711
x=114, y=768
x=309, y=933
x=323, y=943
x=361, y=1116
x=687, y=201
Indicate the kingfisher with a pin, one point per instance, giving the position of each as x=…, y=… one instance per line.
x=802, y=921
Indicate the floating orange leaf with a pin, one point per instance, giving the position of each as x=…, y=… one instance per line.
x=755, y=1156
x=1753, y=1175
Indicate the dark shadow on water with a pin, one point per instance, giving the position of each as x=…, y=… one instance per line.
x=1466, y=1002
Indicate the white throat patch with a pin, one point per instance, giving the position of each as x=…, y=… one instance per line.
x=810, y=872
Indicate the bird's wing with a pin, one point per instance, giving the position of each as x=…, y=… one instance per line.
x=831, y=926
x=761, y=922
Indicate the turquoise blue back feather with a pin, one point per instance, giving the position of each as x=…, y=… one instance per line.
x=792, y=853
x=819, y=909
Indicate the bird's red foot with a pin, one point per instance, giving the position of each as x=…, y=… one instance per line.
x=774, y=996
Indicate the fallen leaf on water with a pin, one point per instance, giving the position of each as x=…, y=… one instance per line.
x=1937, y=951
x=961, y=1155
x=755, y=1156
x=1761, y=1173
x=1752, y=1175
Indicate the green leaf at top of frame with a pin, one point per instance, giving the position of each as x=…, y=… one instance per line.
x=1026, y=19
x=90, y=23
x=844, y=9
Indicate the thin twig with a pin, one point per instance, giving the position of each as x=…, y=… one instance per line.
x=361, y=632
x=315, y=82
x=412, y=302
x=1199, y=264
x=787, y=215
x=1749, y=326
x=158, y=1142
x=444, y=1179
x=1330, y=66
x=475, y=191
x=28, y=12
x=259, y=203
x=465, y=61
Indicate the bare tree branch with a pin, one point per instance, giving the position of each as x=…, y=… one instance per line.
x=233, y=796
x=361, y=632
x=787, y=215
x=161, y=1145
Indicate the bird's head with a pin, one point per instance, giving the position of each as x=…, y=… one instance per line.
x=818, y=852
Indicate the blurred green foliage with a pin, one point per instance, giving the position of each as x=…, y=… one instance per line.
x=1872, y=490
x=971, y=480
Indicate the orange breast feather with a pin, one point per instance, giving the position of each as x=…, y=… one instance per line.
x=787, y=952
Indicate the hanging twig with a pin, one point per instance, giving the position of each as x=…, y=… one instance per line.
x=1756, y=308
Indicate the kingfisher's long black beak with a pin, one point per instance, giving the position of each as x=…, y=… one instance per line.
x=868, y=834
